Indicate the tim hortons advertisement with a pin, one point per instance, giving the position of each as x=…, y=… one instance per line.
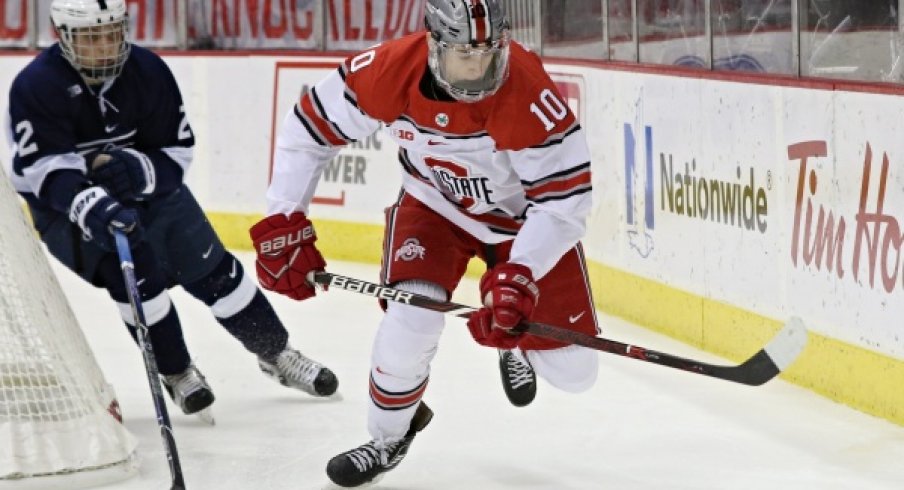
x=847, y=229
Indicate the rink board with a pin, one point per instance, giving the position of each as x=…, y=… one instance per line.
x=720, y=269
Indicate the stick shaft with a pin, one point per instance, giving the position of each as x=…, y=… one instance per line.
x=150, y=363
x=755, y=371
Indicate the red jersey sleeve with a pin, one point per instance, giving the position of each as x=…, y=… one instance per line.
x=378, y=80
x=529, y=110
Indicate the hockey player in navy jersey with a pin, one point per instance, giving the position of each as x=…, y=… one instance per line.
x=101, y=140
x=495, y=165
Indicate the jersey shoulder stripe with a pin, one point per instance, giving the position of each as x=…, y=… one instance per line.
x=315, y=98
x=311, y=114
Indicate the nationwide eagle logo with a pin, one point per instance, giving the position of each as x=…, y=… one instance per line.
x=640, y=215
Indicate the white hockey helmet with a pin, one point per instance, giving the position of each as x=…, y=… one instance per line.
x=468, y=46
x=93, y=36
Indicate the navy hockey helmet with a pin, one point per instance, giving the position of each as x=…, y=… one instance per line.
x=93, y=36
x=468, y=46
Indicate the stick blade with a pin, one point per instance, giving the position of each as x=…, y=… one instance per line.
x=771, y=360
x=784, y=348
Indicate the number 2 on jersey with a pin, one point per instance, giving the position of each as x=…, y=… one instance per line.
x=184, y=128
x=27, y=131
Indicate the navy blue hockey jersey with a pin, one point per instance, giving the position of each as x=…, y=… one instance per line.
x=56, y=119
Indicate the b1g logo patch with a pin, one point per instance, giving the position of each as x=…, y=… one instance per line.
x=411, y=249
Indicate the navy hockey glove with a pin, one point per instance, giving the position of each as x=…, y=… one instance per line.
x=97, y=214
x=509, y=296
x=127, y=174
x=286, y=253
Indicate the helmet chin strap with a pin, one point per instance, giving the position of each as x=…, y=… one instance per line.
x=86, y=76
x=96, y=76
x=91, y=75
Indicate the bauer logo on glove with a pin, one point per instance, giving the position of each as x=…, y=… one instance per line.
x=278, y=245
x=286, y=254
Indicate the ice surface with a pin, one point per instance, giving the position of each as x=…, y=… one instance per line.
x=641, y=427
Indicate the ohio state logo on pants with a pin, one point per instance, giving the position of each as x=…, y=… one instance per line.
x=411, y=249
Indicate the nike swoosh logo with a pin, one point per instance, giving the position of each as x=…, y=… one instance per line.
x=207, y=253
x=434, y=143
x=110, y=129
x=234, y=271
x=574, y=318
x=140, y=282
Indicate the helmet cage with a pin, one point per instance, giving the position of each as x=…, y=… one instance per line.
x=94, y=42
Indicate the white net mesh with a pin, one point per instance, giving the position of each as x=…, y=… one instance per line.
x=56, y=409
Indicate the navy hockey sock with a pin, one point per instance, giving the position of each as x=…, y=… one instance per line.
x=164, y=328
x=258, y=328
x=169, y=346
x=241, y=308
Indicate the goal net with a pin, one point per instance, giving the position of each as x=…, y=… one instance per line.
x=59, y=419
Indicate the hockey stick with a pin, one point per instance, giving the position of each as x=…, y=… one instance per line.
x=150, y=363
x=766, y=364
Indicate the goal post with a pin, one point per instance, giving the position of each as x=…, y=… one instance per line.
x=59, y=419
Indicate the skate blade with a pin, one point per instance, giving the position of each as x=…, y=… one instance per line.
x=206, y=416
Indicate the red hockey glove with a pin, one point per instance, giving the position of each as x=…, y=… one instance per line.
x=509, y=295
x=286, y=253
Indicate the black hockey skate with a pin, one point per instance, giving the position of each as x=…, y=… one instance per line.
x=189, y=390
x=291, y=368
x=518, y=378
x=369, y=461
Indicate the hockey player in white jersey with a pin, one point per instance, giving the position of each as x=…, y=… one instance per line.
x=494, y=165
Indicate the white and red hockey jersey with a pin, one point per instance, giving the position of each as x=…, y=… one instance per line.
x=514, y=165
